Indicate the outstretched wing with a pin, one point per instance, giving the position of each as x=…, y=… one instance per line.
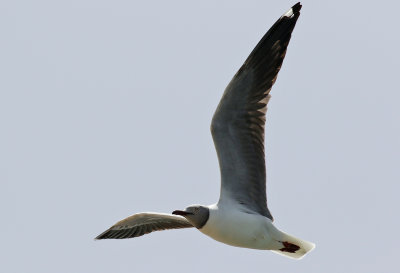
x=143, y=223
x=238, y=123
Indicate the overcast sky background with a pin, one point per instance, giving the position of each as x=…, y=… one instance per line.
x=105, y=109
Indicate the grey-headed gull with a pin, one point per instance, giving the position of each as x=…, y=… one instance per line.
x=241, y=217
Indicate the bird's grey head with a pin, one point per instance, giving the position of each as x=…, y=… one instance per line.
x=197, y=215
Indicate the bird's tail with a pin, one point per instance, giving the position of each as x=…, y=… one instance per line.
x=290, y=246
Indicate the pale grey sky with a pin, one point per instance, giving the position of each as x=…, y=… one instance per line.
x=105, y=109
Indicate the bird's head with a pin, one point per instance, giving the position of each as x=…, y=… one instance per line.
x=197, y=215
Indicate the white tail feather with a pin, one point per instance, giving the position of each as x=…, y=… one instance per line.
x=284, y=238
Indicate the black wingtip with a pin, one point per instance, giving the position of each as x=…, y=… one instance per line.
x=293, y=12
x=103, y=235
x=296, y=8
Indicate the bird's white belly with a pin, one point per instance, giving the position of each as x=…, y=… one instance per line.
x=240, y=229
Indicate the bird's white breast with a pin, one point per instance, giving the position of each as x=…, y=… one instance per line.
x=231, y=226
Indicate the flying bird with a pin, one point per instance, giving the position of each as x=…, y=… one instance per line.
x=241, y=217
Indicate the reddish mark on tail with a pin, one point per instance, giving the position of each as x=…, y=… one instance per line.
x=289, y=247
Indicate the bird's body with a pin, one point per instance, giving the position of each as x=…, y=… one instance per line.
x=230, y=225
x=241, y=217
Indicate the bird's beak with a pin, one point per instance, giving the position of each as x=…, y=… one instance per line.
x=181, y=212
